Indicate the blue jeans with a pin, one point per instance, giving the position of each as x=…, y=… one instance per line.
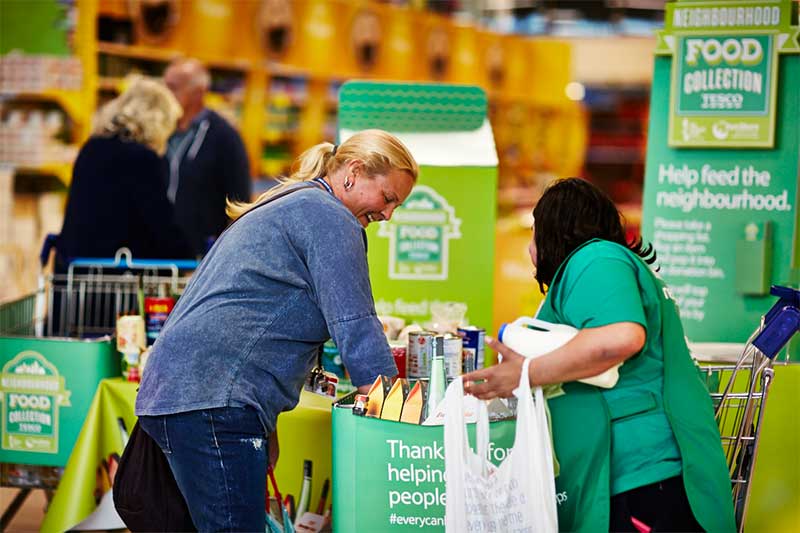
x=219, y=459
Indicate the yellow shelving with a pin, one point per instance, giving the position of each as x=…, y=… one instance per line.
x=137, y=51
x=70, y=101
x=61, y=170
x=110, y=83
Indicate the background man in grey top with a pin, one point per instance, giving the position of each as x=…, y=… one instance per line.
x=207, y=159
x=282, y=279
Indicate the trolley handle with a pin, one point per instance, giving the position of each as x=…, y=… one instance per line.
x=123, y=258
x=780, y=323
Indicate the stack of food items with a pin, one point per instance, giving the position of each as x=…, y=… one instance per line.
x=427, y=363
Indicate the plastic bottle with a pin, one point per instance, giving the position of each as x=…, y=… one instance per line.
x=438, y=384
x=531, y=338
x=305, y=493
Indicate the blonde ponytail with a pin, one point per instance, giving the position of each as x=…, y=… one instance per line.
x=312, y=163
x=378, y=150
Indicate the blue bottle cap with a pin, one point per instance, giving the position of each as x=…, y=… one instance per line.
x=501, y=331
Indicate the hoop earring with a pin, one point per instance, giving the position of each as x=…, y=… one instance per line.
x=347, y=183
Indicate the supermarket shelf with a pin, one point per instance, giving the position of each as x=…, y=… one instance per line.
x=166, y=55
x=137, y=51
x=109, y=83
x=61, y=170
x=227, y=63
x=278, y=138
x=70, y=101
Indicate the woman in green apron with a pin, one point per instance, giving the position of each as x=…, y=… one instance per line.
x=644, y=455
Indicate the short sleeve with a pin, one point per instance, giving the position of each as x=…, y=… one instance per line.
x=599, y=290
x=332, y=247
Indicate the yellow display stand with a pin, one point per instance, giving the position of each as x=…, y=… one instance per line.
x=305, y=433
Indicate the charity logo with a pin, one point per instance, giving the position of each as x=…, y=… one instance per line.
x=691, y=130
x=723, y=129
x=31, y=393
x=419, y=236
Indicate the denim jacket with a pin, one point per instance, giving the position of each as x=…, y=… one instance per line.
x=276, y=285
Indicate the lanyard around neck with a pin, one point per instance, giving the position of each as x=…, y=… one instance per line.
x=325, y=184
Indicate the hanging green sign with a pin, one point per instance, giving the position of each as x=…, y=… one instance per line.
x=32, y=393
x=725, y=71
x=724, y=220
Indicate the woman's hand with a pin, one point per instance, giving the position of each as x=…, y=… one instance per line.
x=499, y=380
x=273, y=449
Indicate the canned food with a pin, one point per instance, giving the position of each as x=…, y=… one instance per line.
x=472, y=339
x=360, y=405
x=419, y=354
x=156, y=311
x=400, y=355
x=453, y=357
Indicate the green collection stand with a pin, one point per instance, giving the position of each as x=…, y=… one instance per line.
x=721, y=202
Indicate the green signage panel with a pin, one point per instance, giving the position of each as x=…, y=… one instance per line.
x=724, y=221
x=439, y=246
x=724, y=71
x=46, y=387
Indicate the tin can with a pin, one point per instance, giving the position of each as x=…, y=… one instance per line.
x=332, y=359
x=473, y=339
x=133, y=374
x=399, y=352
x=453, y=357
x=156, y=312
x=360, y=406
x=420, y=351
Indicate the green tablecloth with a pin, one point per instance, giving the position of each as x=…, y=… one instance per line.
x=305, y=433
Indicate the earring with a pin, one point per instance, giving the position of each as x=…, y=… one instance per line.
x=347, y=183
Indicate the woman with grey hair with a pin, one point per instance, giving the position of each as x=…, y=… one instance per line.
x=117, y=197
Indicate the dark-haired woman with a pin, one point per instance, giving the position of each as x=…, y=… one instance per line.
x=647, y=450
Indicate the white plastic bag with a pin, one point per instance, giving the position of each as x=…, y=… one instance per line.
x=519, y=495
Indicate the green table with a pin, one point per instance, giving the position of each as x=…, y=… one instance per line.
x=305, y=433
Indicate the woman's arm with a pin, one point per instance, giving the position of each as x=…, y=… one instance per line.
x=592, y=351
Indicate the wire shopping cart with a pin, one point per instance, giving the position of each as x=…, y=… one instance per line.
x=56, y=343
x=739, y=392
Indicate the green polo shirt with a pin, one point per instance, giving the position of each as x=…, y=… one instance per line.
x=604, y=283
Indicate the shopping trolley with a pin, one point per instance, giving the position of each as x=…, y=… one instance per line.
x=739, y=392
x=67, y=324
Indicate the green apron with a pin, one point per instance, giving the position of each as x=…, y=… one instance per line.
x=582, y=441
x=581, y=435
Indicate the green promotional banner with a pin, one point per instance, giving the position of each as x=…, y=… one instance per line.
x=725, y=70
x=389, y=476
x=439, y=245
x=436, y=247
x=724, y=221
x=46, y=387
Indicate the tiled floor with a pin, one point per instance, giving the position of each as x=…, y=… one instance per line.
x=30, y=515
